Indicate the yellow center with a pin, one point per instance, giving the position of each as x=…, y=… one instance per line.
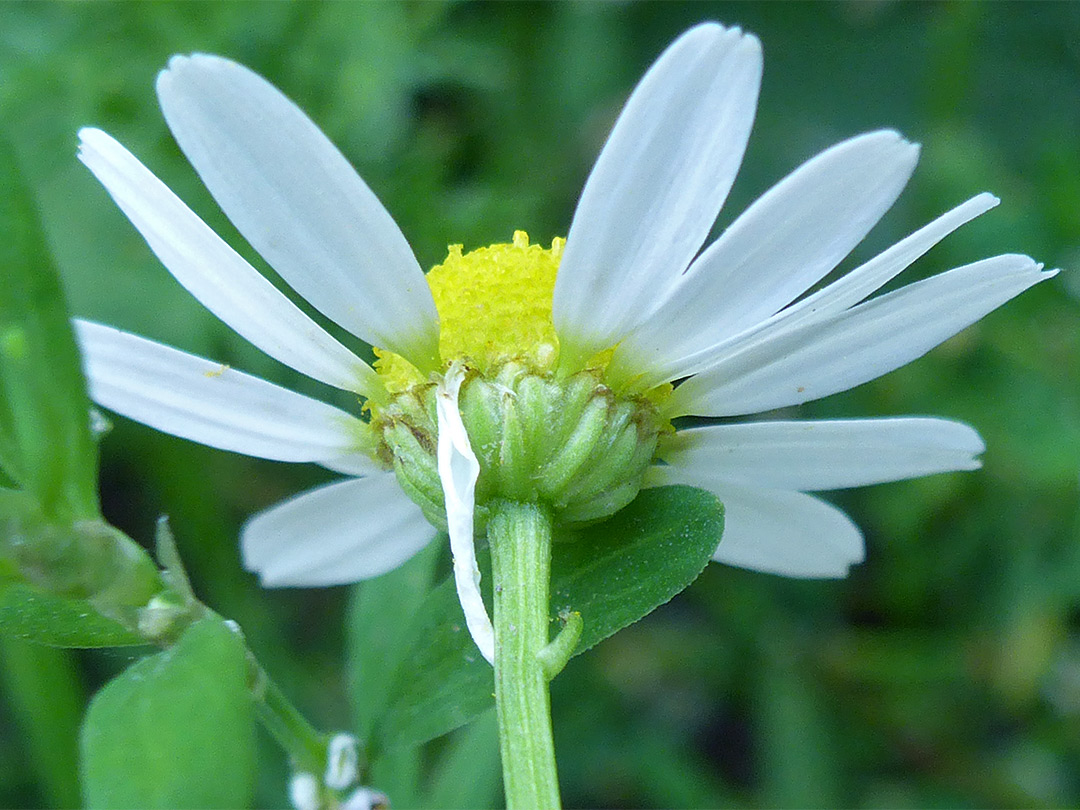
x=494, y=305
x=541, y=433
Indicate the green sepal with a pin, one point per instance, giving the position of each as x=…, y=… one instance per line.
x=613, y=574
x=176, y=729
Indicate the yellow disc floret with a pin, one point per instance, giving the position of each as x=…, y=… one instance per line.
x=541, y=432
x=494, y=303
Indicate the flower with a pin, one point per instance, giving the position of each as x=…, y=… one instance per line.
x=636, y=303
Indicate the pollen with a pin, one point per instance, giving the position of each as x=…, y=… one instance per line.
x=494, y=303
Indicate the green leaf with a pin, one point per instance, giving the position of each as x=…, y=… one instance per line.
x=69, y=585
x=31, y=614
x=613, y=574
x=44, y=691
x=468, y=771
x=375, y=648
x=623, y=569
x=174, y=730
x=45, y=441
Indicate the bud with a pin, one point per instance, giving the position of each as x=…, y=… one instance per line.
x=162, y=617
x=304, y=791
x=342, y=761
x=366, y=799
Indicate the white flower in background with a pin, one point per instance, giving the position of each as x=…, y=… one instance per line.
x=636, y=304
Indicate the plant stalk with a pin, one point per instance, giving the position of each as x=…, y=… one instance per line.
x=520, y=539
x=305, y=745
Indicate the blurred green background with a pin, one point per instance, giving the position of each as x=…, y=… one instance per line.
x=945, y=672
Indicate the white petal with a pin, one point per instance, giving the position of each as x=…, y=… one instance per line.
x=658, y=185
x=458, y=471
x=299, y=203
x=779, y=367
x=212, y=404
x=335, y=534
x=778, y=248
x=810, y=455
x=842, y=293
x=868, y=278
x=776, y=531
x=216, y=274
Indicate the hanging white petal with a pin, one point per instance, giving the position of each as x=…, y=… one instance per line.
x=458, y=471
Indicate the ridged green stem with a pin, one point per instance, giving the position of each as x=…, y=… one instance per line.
x=520, y=539
x=305, y=746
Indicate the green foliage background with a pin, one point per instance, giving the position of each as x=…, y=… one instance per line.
x=944, y=672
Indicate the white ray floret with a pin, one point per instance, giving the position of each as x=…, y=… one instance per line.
x=777, y=531
x=781, y=367
x=648, y=354
x=778, y=248
x=658, y=184
x=868, y=278
x=213, y=404
x=296, y=199
x=217, y=275
x=335, y=534
x=820, y=455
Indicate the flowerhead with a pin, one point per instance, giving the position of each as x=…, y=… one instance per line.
x=551, y=374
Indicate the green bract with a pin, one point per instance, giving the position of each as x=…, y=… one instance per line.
x=569, y=443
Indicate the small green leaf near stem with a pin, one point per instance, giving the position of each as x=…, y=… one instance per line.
x=554, y=656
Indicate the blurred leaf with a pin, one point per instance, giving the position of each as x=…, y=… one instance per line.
x=443, y=683
x=69, y=585
x=613, y=573
x=798, y=754
x=468, y=772
x=45, y=442
x=44, y=691
x=375, y=648
x=174, y=730
x=31, y=614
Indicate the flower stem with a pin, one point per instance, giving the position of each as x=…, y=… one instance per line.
x=305, y=746
x=520, y=539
